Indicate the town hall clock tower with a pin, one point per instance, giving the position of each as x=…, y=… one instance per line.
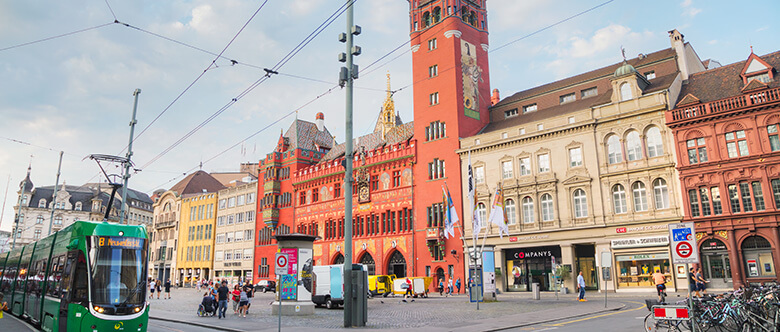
x=449, y=41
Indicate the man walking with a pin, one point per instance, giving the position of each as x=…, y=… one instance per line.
x=449, y=286
x=581, y=287
x=457, y=285
x=168, y=289
x=222, y=293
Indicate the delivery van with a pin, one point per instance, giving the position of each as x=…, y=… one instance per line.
x=328, y=285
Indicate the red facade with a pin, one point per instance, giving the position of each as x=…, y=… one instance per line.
x=726, y=133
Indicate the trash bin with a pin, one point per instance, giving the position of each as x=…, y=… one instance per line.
x=535, y=291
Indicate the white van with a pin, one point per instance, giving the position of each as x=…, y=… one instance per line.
x=328, y=285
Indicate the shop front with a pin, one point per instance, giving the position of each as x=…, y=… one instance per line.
x=526, y=266
x=636, y=259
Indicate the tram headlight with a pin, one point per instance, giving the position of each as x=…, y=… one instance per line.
x=99, y=309
x=137, y=309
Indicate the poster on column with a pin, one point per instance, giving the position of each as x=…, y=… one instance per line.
x=304, y=274
x=292, y=255
x=489, y=272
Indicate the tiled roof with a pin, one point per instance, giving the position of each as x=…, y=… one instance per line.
x=373, y=140
x=226, y=178
x=196, y=182
x=594, y=74
x=723, y=82
x=656, y=84
x=81, y=194
x=305, y=135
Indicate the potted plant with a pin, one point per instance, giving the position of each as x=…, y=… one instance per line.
x=563, y=272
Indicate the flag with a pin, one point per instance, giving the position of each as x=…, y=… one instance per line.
x=476, y=223
x=497, y=215
x=450, y=214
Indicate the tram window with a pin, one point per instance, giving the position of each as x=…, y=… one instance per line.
x=66, y=276
x=21, y=276
x=80, y=287
x=57, y=264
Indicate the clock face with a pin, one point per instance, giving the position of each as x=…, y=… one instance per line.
x=363, y=193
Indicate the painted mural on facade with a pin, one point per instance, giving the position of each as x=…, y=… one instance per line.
x=472, y=76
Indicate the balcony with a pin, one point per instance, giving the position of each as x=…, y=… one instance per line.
x=701, y=110
x=165, y=224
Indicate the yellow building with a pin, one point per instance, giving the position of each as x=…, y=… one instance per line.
x=196, y=236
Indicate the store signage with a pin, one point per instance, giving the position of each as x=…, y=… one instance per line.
x=639, y=229
x=649, y=241
x=712, y=245
x=528, y=237
x=642, y=257
x=538, y=252
x=683, y=243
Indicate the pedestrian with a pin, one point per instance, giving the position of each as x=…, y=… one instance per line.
x=168, y=289
x=3, y=305
x=222, y=294
x=243, y=300
x=441, y=287
x=159, y=288
x=581, y=287
x=409, y=292
x=236, y=293
x=199, y=284
x=700, y=282
x=152, y=287
x=660, y=284
x=449, y=286
x=457, y=285
x=250, y=293
x=692, y=286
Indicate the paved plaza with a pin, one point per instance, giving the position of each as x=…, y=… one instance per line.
x=434, y=312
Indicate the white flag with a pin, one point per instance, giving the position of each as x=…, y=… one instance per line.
x=497, y=215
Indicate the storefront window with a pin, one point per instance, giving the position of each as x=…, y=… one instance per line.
x=526, y=266
x=637, y=270
x=758, y=257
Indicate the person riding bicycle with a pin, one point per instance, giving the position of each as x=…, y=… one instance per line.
x=660, y=284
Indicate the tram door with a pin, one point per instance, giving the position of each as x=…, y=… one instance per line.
x=75, y=289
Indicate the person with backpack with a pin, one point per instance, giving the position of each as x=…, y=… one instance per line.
x=250, y=293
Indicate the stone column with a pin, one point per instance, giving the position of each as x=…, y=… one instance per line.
x=776, y=250
x=735, y=259
x=568, y=257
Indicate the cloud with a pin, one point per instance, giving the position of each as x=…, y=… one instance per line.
x=712, y=42
x=689, y=9
x=766, y=27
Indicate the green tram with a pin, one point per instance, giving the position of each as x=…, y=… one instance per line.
x=89, y=276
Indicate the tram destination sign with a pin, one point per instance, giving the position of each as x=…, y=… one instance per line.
x=683, y=243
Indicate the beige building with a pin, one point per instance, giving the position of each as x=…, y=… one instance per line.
x=235, y=227
x=587, y=166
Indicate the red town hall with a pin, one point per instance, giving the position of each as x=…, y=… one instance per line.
x=726, y=136
x=400, y=168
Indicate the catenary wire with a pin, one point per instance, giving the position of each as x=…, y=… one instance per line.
x=111, y=10
x=57, y=36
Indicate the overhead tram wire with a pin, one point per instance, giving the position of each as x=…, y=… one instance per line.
x=250, y=136
x=213, y=63
x=111, y=10
x=257, y=83
x=57, y=36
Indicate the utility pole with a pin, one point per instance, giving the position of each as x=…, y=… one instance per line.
x=346, y=77
x=5, y=197
x=54, y=197
x=19, y=205
x=126, y=176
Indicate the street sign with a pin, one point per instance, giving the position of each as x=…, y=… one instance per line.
x=683, y=243
x=606, y=259
x=282, y=264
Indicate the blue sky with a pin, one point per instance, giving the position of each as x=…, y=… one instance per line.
x=75, y=93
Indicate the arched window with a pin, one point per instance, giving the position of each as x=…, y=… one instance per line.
x=640, y=196
x=633, y=146
x=482, y=213
x=42, y=203
x=655, y=145
x=619, y=198
x=758, y=257
x=614, y=150
x=511, y=212
x=464, y=13
x=528, y=210
x=436, y=15
x=661, y=194
x=625, y=92
x=473, y=19
x=547, y=208
x=580, y=204
x=426, y=19
x=78, y=206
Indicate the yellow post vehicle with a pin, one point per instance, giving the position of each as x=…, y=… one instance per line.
x=381, y=285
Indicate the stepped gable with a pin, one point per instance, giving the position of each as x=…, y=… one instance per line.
x=305, y=135
x=723, y=82
x=196, y=182
x=400, y=133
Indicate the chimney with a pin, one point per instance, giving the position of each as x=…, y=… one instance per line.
x=494, y=99
x=320, y=121
x=678, y=44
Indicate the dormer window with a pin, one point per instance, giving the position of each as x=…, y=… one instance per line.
x=78, y=206
x=529, y=108
x=42, y=203
x=510, y=113
x=589, y=92
x=650, y=75
x=625, y=92
x=763, y=78
x=567, y=98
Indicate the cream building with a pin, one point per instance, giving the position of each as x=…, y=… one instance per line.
x=587, y=167
x=235, y=227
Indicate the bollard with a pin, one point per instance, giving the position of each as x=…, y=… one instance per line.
x=535, y=291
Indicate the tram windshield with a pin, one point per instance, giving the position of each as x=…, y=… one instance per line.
x=117, y=266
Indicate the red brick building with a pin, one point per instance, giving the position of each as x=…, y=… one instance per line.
x=726, y=134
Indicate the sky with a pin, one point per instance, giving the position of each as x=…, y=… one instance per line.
x=74, y=93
